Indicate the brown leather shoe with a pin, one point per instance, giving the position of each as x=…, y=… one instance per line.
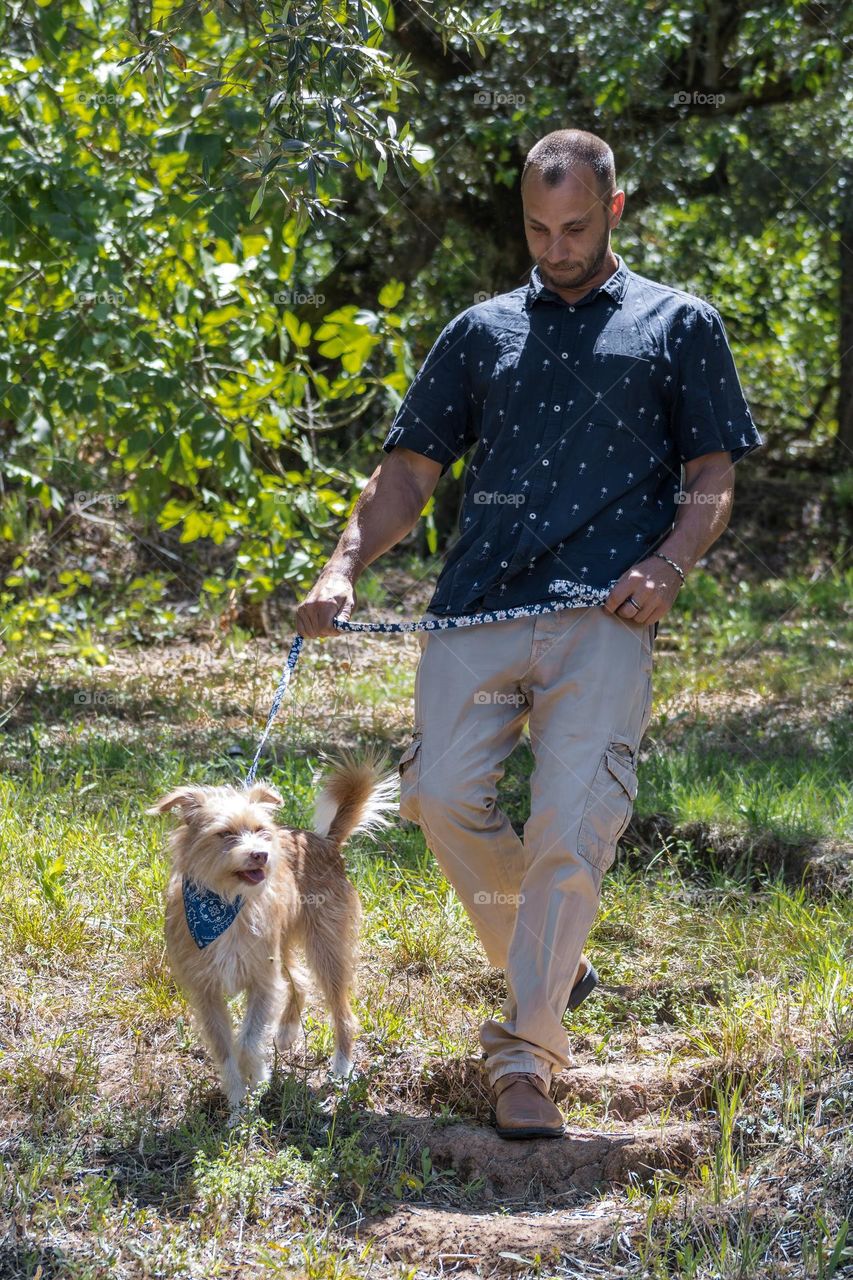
x=523, y=1108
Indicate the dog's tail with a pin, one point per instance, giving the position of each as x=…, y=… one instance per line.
x=356, y=795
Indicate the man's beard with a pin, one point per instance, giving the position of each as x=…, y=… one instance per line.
x=576, y=275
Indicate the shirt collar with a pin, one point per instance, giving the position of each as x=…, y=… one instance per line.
x=615, y=286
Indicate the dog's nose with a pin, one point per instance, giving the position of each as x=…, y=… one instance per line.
x=260, y=856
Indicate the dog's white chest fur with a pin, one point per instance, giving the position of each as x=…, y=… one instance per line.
x=232, y=973
x=231, y=959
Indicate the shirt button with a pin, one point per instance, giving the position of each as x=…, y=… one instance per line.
x=504, y=563
x=556, y=408
x=565, y=355
x=571, y=308
x=545, y=462
x=533, y=515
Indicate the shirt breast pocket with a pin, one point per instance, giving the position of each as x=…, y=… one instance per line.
x=624, y=361
x=615, y=448
x=612, y=434
x=628, y=341
x=622, y=369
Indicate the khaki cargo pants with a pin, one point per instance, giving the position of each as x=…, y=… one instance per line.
x=582, y=678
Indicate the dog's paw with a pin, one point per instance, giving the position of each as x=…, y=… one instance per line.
x=236, y=1115
x=233, y=1085
x=260, y=1077
x=254, y=1068
x=244, y=1104
x=341, y=1065
x=287, y=1035
x=237, y=1096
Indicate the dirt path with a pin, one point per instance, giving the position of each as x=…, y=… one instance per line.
x=558, y=1199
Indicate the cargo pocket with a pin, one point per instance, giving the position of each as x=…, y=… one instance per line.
x=408, y=767
x=609, y=805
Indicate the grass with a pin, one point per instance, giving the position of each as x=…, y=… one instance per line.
x=115, y=1159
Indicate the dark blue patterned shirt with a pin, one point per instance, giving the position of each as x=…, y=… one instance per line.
x=580, y=417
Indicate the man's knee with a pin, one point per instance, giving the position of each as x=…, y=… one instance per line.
x=444, y=802
x=431, y=797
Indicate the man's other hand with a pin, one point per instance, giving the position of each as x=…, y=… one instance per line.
x=652, y=585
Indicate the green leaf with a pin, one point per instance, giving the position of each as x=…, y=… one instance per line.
x=258, y=200
x=391, y=293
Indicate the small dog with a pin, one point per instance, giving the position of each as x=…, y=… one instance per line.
x=275, y=888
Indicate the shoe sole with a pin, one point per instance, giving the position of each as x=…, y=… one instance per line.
x=530, y=1133
x=582, y=989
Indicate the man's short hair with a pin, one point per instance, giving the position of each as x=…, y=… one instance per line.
x=560, y=153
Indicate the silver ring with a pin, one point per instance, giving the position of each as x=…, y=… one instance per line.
x=631, y=600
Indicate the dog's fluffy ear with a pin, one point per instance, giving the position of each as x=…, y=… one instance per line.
x=264, y=794
x=188, y=799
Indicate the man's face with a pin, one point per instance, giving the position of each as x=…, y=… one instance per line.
x=568, y=227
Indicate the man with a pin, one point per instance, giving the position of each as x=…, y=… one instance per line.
x=583, y=394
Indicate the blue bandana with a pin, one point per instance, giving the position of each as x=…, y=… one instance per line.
x=207, y=913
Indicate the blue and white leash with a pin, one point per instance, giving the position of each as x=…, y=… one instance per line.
x=424, y=624
x=209, y=915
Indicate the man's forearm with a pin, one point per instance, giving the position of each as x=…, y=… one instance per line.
x=387, y=509
x=702, y=518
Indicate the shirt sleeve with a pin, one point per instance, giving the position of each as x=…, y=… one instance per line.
x=709, y=411
x=435, y=417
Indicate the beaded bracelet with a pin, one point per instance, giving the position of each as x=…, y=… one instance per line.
x=677, y=568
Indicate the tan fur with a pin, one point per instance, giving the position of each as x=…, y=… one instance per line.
x=305, y=902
